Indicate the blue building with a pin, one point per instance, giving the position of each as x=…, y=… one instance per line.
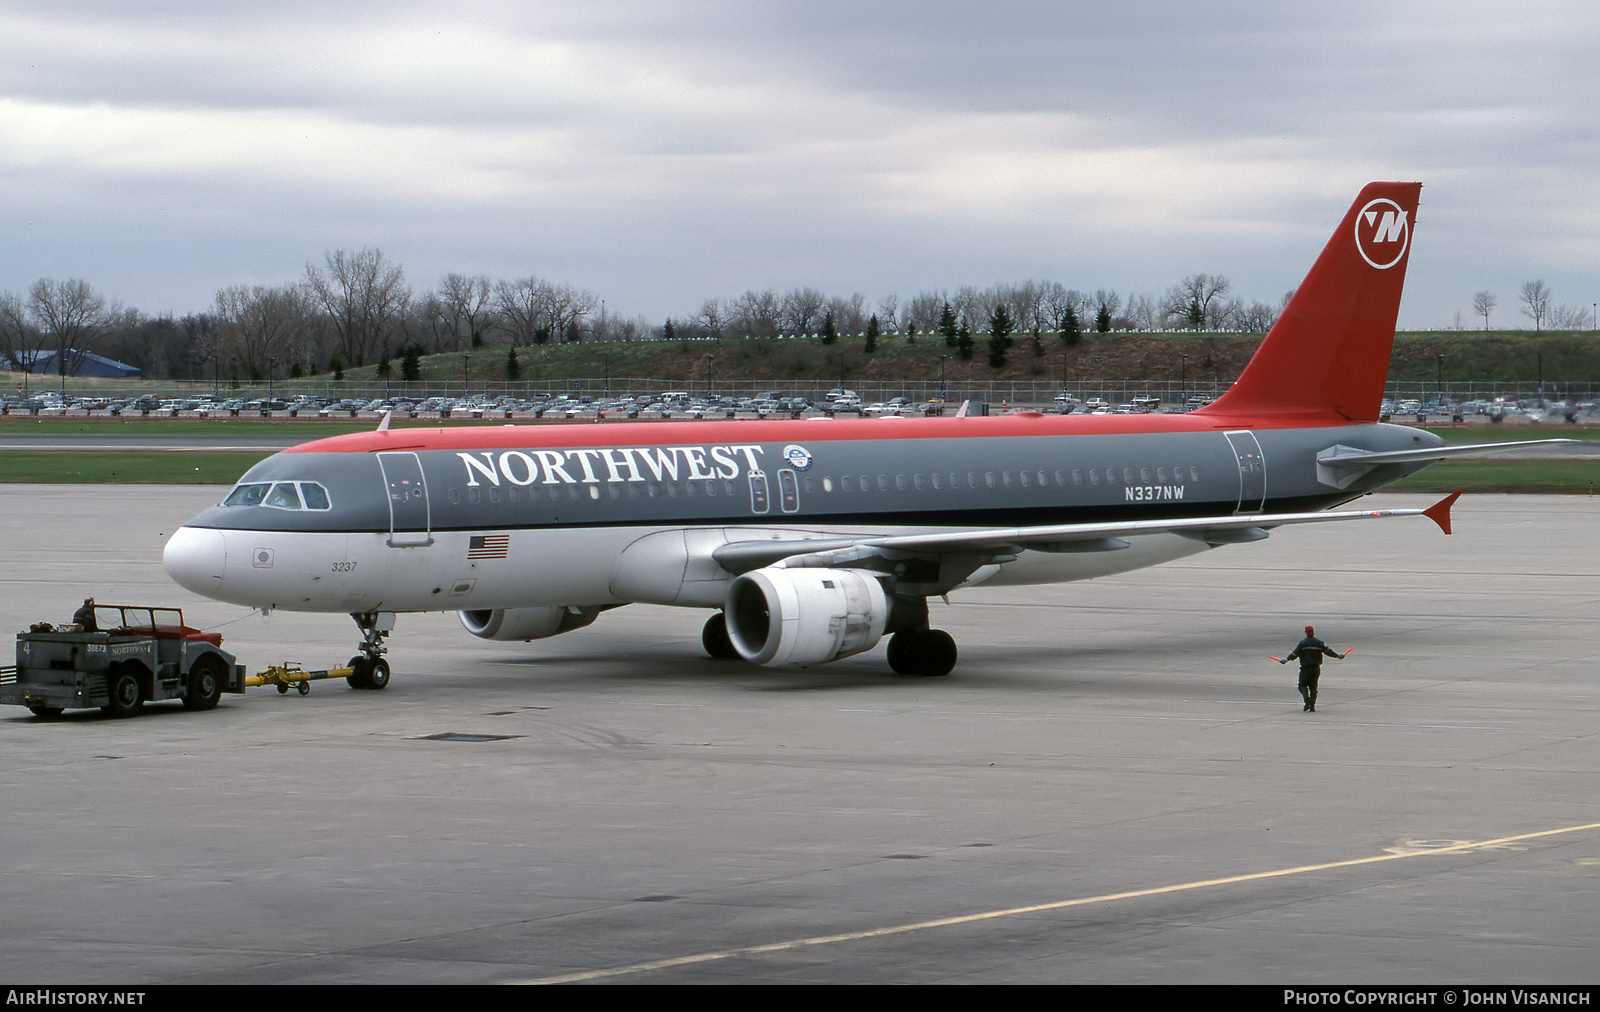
x=44, y=364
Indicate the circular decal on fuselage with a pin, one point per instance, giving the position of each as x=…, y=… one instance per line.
x=798, y=457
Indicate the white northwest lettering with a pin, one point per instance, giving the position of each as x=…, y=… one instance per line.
x=529, y=468
x=622, y=464
x=553, y=466
x=484, y=467
x=664, y=462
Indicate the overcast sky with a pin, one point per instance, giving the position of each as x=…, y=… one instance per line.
x=661, y=153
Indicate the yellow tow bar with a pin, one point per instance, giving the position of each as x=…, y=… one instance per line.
x=291, y=673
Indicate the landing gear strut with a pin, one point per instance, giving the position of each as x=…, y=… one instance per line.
x=368, y=669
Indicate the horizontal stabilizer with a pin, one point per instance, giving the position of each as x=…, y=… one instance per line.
x=1439, y=512
x=1345, y=456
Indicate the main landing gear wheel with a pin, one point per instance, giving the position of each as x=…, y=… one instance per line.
x=204, y=690
x=922, y=652
x=714, y=637
x=127, y=695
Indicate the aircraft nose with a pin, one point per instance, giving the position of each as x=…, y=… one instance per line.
x=194, y=558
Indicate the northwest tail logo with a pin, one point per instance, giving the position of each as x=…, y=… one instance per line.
x=1382, y=233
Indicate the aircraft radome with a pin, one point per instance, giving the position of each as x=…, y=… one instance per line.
x=815, y=539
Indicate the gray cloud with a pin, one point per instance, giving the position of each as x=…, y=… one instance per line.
x=660, y=154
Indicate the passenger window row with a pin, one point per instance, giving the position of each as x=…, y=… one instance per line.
x=1010, y=479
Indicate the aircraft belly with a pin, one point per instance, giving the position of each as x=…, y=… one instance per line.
x=1049, y=567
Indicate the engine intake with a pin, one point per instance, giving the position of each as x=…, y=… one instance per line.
x=526, y=623
x=805, y=616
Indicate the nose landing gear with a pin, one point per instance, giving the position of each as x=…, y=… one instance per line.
x=368, y=668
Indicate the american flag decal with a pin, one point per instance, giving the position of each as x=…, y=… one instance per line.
x=488, y=546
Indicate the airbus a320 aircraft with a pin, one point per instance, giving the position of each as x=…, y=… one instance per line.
x=815, y=539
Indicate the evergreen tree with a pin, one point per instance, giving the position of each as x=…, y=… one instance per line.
x=411, y=363
x=1102, y=319
x=999, y=336
x=1035, y=345
x=829, y=333
x=668, y=331
x=963, y=343
x=872, y=335
x=513, y=367
x=336, y=366
x=384, y=369
x=947, y=325
x=1071, y=331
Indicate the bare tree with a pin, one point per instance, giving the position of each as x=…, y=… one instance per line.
x=568, y=308
x=465, y=304
x=1483, y=304
x=1198, y=301
x=1536, y=303
x=20, y=340
x=849, y=315
x=1256, y=318
x=1141, y=313
x=924, y=310
x=526, y=310
x=801, y=310
x=255, y=325
x=1569, y=318
x=755, y=314
x=713, y=317
x=364, y=295
x=71, y=315
x=889, y=312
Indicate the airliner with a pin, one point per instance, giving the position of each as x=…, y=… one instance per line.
x=812, y=540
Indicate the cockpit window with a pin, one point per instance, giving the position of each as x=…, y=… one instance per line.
x=247, y=495
x=284, y=495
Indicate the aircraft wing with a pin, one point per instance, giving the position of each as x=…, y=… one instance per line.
x=1003, y=544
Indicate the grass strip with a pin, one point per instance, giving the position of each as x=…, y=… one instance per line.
x=1546, y=477
x=138, y=467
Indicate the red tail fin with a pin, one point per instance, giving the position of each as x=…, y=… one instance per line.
x=1328, y=355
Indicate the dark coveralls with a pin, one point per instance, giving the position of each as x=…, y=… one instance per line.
x=1310, y=652
x=85, y=617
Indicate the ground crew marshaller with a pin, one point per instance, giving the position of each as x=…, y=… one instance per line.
x=1310, y=651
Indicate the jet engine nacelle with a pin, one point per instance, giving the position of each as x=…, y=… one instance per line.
x=805, y=616
x=526, y=623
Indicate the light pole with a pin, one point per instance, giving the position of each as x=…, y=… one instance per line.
x=466, y=362
x=942, y=395
x=1440, y=357
x=606, y=359
x=270, y=361
x=1183, y=374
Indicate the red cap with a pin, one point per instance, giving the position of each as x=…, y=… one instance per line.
x=1309, y=630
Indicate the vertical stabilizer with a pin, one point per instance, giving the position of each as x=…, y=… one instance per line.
x=1327, y=357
